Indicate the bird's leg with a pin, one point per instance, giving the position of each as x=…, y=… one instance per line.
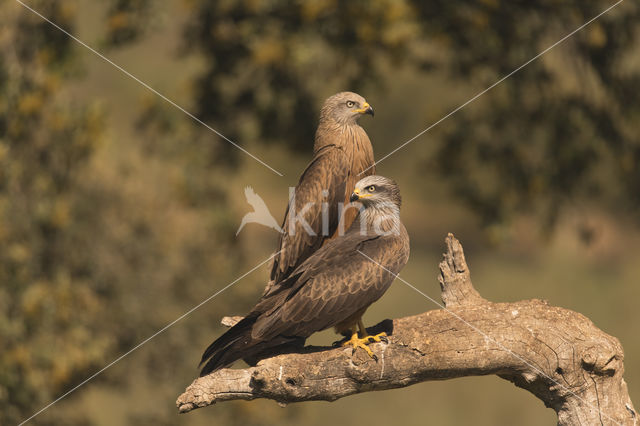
x=380, y=337
x=357, y=342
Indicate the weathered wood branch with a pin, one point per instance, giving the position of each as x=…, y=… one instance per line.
x=558, y=355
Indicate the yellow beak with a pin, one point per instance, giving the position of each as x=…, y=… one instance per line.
x=356, y=195
x=366, y=109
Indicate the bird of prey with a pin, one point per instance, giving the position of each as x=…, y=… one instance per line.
x=260, y=213
x=341, y=152
x=332, y=288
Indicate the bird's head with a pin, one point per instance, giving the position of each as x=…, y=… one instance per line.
x=376, y=191
x=345, y=108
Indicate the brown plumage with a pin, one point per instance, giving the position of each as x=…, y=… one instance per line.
x=342, y=150
x=333, y=287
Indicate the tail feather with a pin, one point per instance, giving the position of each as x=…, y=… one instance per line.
x=220, y=360
x=237, y=344
x=217, y=350
x=252, y=351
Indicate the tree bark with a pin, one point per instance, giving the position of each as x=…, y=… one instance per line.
x=558, y=355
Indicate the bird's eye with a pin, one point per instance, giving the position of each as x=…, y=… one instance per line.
x=350, y=104
x=372, y=188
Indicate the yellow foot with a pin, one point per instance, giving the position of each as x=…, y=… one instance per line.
x=363, y=342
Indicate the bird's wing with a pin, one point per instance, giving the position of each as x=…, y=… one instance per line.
x=328, y=171
x=334, y=283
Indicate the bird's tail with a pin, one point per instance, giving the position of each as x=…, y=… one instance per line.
x=237, y=344
x=224, y=350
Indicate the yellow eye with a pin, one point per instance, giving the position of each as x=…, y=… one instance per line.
x=350, y=104
x=372, y=188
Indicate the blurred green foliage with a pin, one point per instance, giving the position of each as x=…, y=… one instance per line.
x=565, y=128
x=48, y=302
x=84, y=248
x=106, y=238
x=541, y=141
x=545, y=139
x=126, y=21
x=269, y=62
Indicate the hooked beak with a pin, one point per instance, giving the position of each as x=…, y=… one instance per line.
x=366, y=109
x=369, y=109
x=355, y=195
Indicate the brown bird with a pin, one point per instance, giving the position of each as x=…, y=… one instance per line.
x=332, y=288
x=342, y=150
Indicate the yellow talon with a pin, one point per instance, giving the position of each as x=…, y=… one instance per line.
x=380, y=337
x=357, y=342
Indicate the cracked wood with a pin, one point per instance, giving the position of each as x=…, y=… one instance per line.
x=558, y=355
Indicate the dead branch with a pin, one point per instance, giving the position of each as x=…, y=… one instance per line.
x=558, y=355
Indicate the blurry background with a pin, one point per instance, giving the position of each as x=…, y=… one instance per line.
x=118, y=212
